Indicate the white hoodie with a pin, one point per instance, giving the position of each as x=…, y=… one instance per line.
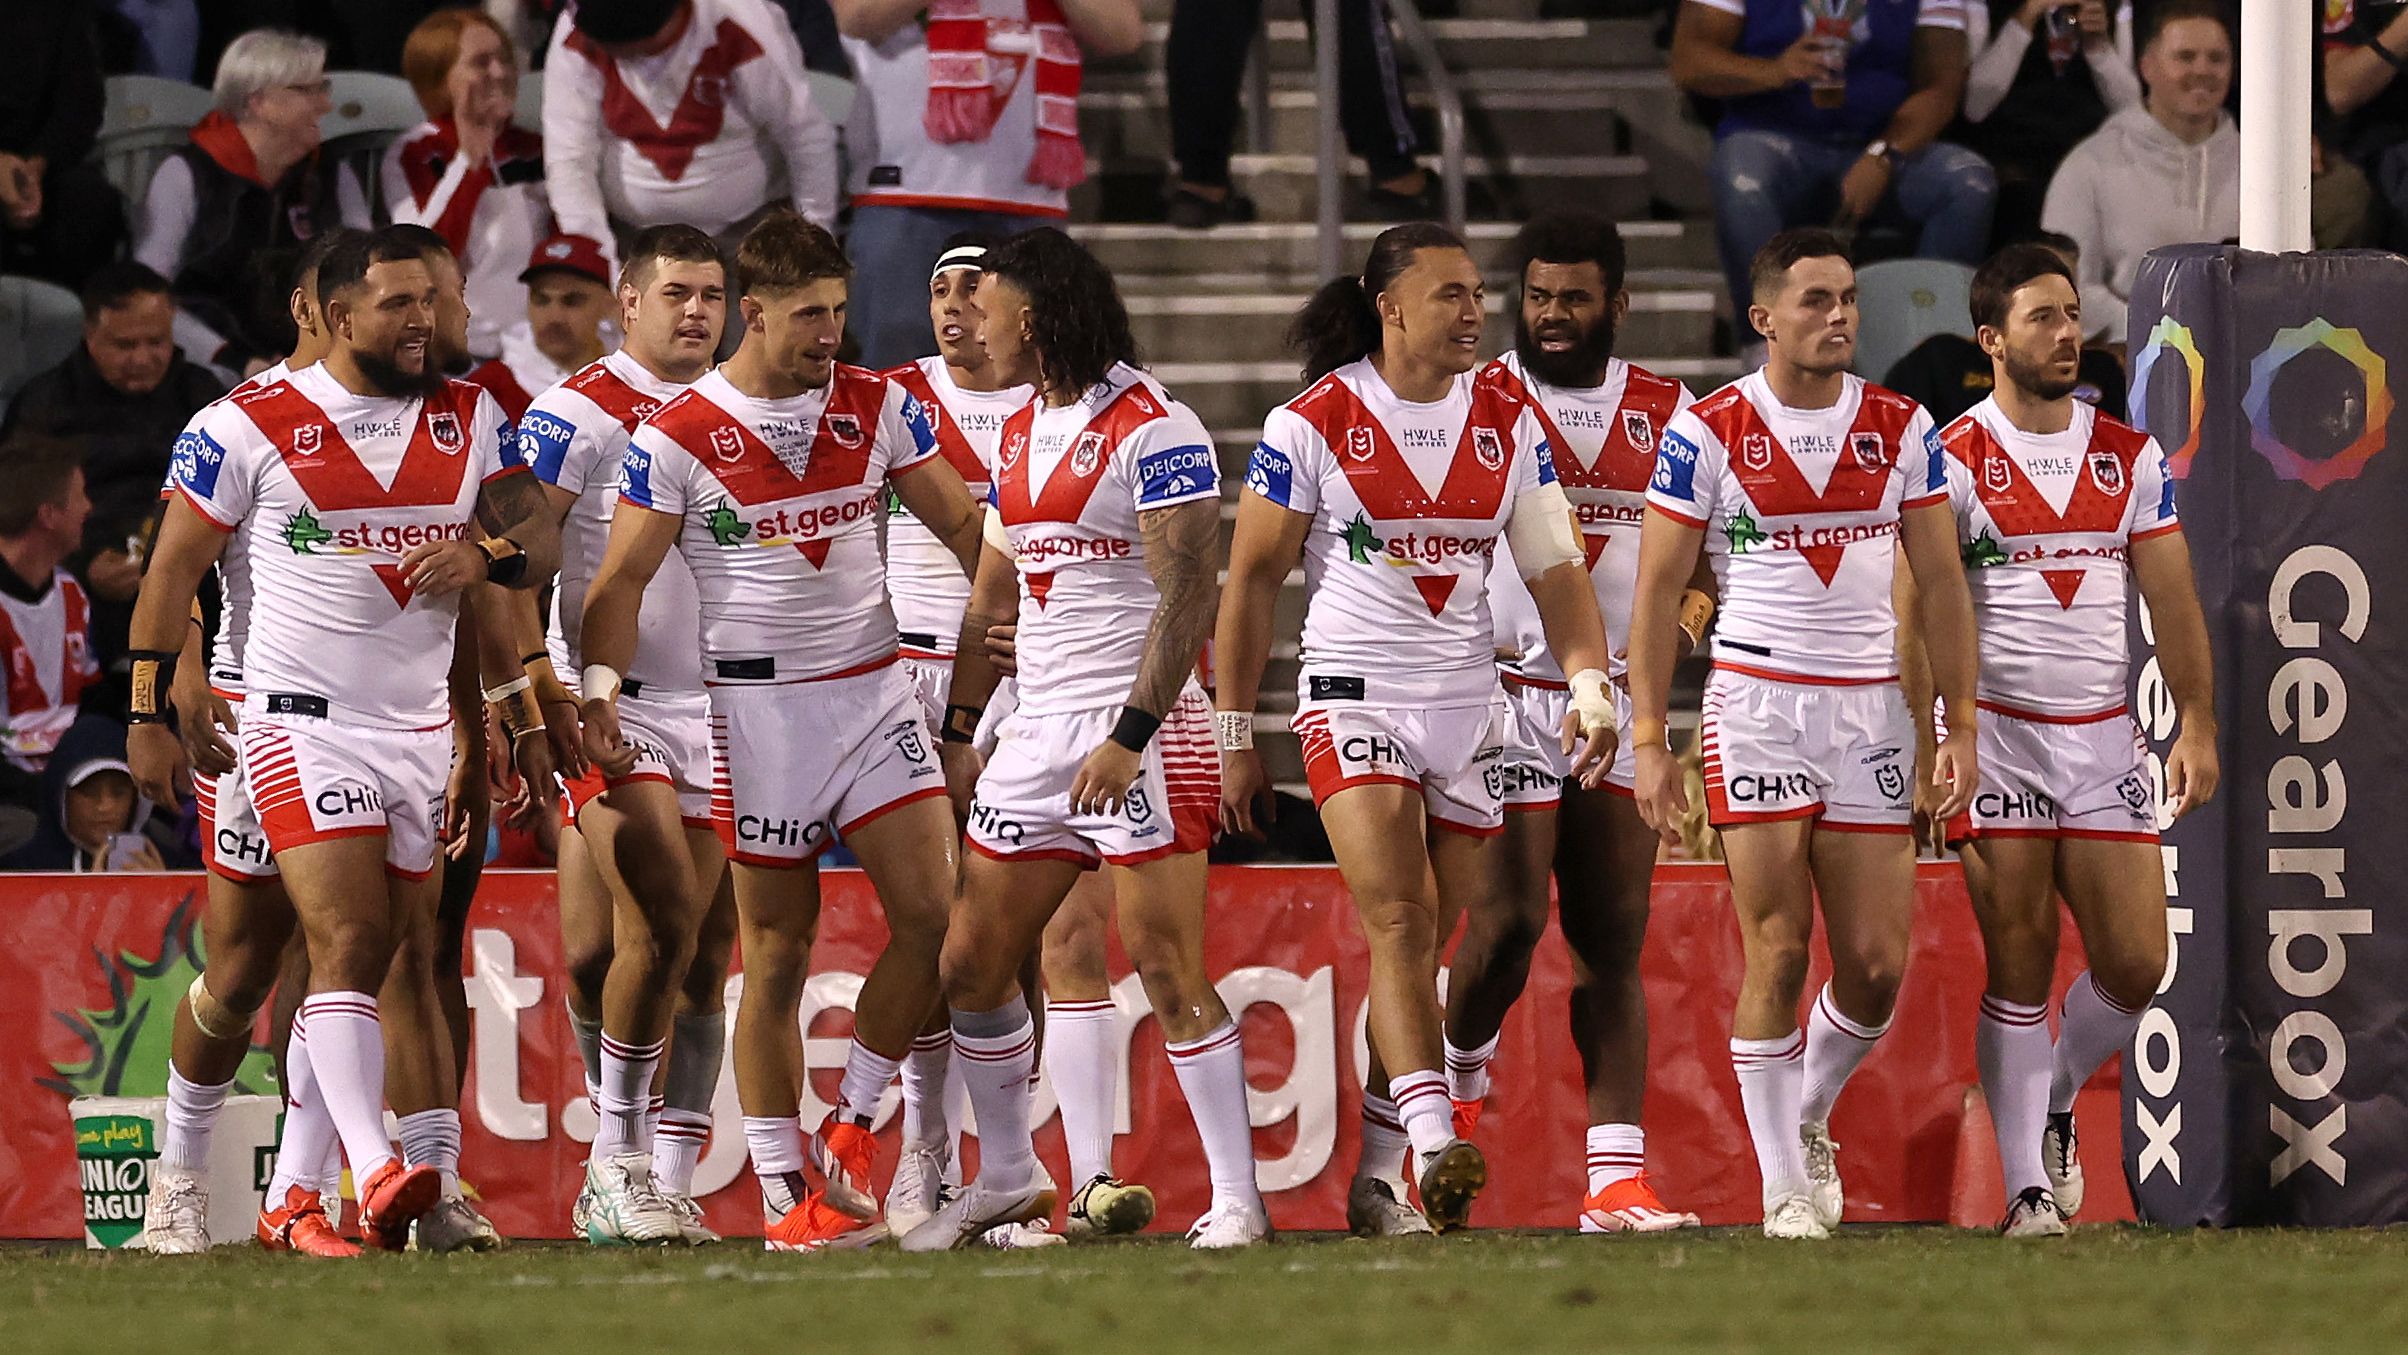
x=2133, y=186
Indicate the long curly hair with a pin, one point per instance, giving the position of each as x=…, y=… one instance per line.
x=1340, y=324
x=1077, y=322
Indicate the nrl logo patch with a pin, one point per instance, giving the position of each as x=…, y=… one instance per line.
x=1996, y=473
x=1358, y=444
x=1756, y=451
x=727, y=444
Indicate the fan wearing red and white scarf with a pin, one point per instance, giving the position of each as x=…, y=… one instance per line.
x=966, y=40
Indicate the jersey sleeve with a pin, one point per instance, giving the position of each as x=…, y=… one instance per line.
x=1285, y=467
x=1922, y=463
x=1171, y=461
x=906, y=436
x=493, y=442
x=1688, y=471
x=558, y=451
x=1534, y=456
x=213, y=466
x=2152, y=510
x=654, y=472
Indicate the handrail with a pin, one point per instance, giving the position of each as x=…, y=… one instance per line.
x=1330, y=216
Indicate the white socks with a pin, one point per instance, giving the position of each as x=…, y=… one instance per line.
x=308, y=1142
x=1079, y=1059
x=191, y=1116
x=866, y=1075
x=1212, y=1075
x=1834, y=1046
x=1772, y=1079
x=347, y=1052
x=2092, y=1028
x=776, y=1144
x=997, y=1053
x=677, y=1145
x=626, y=1097
x=924, y=1068
x=1384, y=1144
x=2011, y=1046
x=431, y=1138
x=1467, y=1069
x=1617, y=1152
x=1421, y=1102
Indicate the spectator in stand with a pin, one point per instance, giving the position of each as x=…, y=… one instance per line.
x=45, y=621
x=2046, y=74
x=2167, y=172
x=165, y=36
x=466, y=173
x=966, y=121
x=120, y=400
x=659, y=111
x=59, y=218
x=1205, y=60
x=568, y=301
x=1837, y=119
x=249, y=188
x=2361, y=122
x=1949, y=373
x=91, y=818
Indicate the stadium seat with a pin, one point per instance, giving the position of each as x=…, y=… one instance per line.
x=833, y=94
x=370, y=112
x=1902, y=302
x=146, y=118
x=40, y=324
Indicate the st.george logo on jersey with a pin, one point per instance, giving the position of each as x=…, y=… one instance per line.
x=1359, y=446
x=1756, y=451
x=1867, y=447
x=1997, y=475
x=2107, y=472
x=1638, y=430
x=1087, y=453
x=1488, y=447
x=845, y=429
x=727, y=444
x=444, y=428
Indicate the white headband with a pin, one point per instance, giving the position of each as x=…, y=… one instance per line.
x=972, y=257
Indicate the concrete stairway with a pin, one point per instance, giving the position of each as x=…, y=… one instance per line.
x=1558, y=112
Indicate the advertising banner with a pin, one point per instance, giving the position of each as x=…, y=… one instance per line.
x=91, y=967
x=2270, y=1082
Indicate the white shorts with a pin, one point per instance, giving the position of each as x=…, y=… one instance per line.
x=932, y=678
x=1022, y=810
x=793, y=764
x=671, y=735
x=1778, y=750
x=2049, y=778
x=232, y=842
x=1453, y=755
x=312, y=779
x=1536, y=766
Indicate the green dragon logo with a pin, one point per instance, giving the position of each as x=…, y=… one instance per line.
x=725, y=526
x=1360, y=540
x=1743, y=532
x=1984, y=551
x=304, y=533
x=125, y=1043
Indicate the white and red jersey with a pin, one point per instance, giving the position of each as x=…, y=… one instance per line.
x=1603, y=440
x=1409, y=503
x=49, y=644
x=679, y=135
x=575, y=436
x=233, y=564
x=895, y=163
x=1070, y=483
x=780, y=501
x=1800, y=510
x=493, y=213
x=329, y=490
x=2046, y=520
x=922, y=577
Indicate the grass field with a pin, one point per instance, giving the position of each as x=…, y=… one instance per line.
x=2106, y=1289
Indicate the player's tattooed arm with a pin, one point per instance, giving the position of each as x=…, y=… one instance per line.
x=515, y=506
x=994, y=601
x=1183, y=553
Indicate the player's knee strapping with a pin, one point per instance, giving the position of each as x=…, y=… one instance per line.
x=217, y=1020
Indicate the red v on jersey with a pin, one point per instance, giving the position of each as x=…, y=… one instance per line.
x=1626, y=458
x=2065, y=583
x=1074, y=478
x=950, y=443
x=701, y=109
x=614, y=396
x=752, y=474
x=332, y=475
x=390, y=577
x=1477, y=470
x=1594, y=544
x=2102, y=485
x=1773, y=482
x=1435, y=589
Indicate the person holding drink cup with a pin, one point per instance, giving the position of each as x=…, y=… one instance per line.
x=1832, y=112
x=2045, y=74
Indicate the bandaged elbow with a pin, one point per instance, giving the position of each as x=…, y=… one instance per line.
x=1540, y=531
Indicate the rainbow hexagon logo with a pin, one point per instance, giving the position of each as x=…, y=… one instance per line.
x=2172, y=336
x=2258, y=403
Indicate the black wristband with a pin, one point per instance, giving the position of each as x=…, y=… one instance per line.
x=543, y=654
x=504, y=567
x=2390, y=58
x=1134, y=728
x=152, y=672
x=961, y=724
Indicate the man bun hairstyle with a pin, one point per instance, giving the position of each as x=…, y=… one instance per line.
x=1340, y=324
